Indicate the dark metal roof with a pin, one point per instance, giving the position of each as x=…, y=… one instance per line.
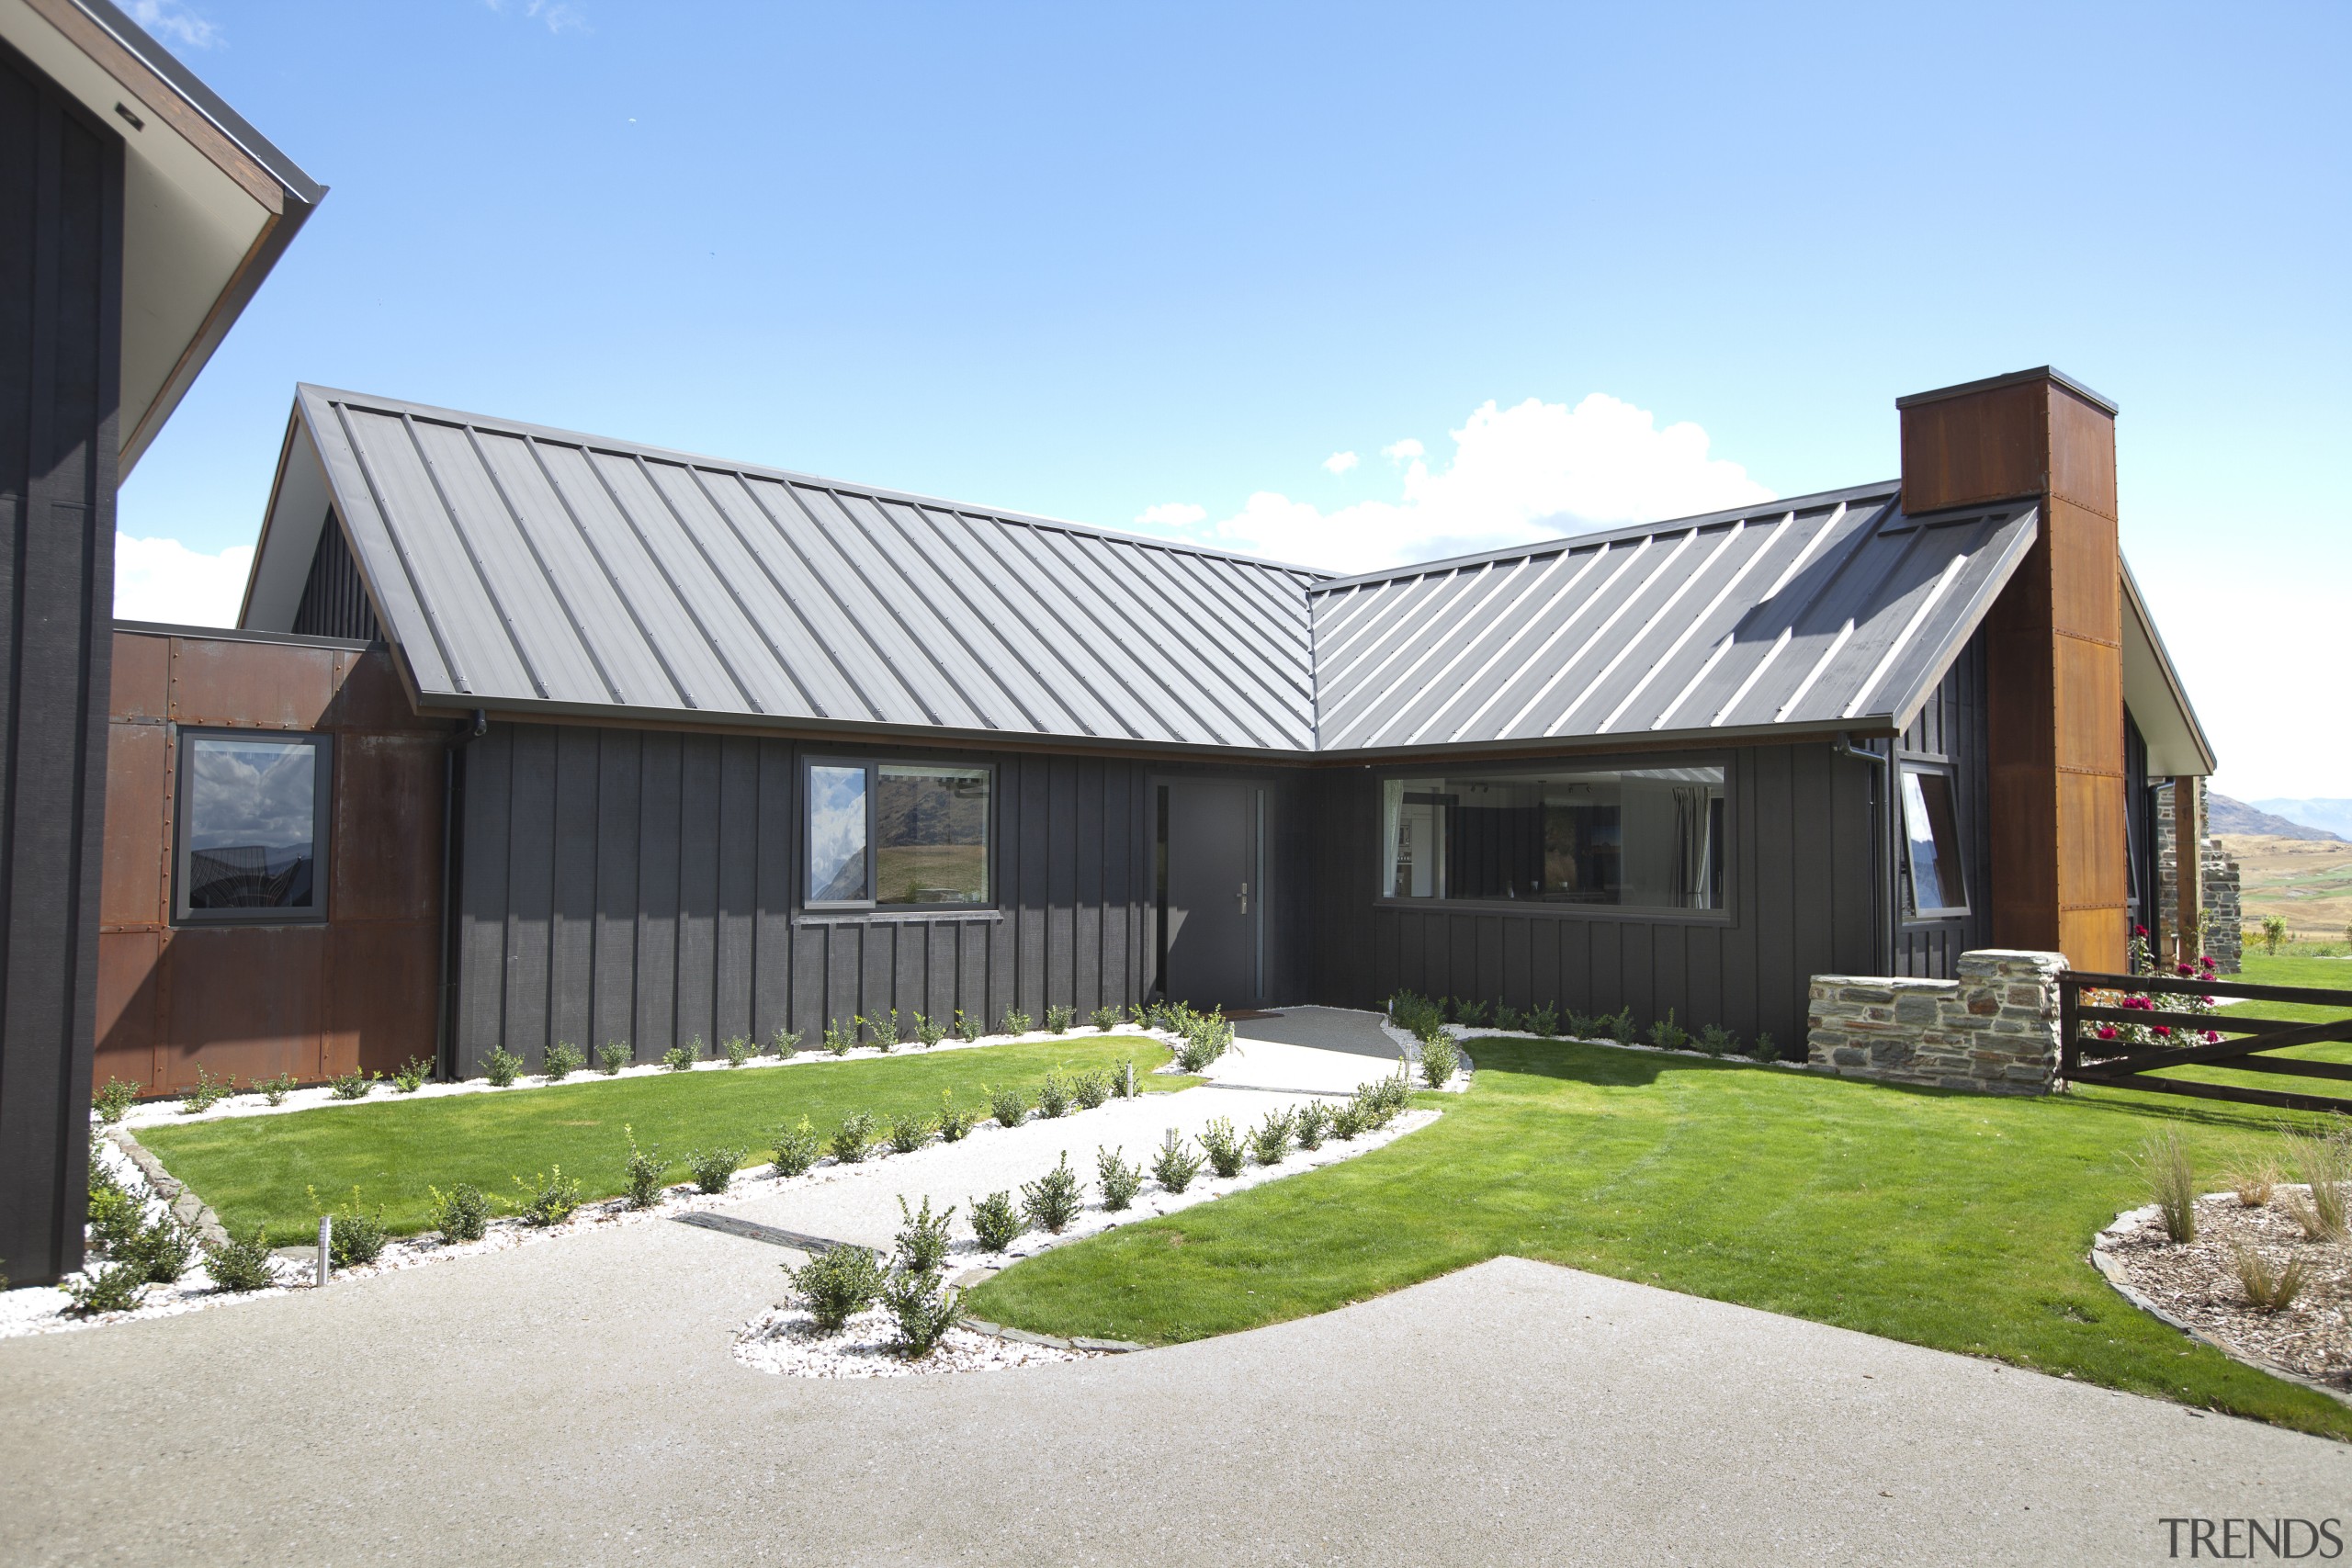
x=519, y=569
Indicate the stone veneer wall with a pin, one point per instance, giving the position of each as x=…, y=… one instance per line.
x=2224, y=928
x=1993, y=1029
x=2217, y=894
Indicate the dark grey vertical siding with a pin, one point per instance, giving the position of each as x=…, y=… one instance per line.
x=335, y=600
x=60, y=266
x=639, y=885
x=1950, y=728
x=1800, y=891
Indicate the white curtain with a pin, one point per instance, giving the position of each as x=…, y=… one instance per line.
x=1392, y=807
x=1692, y=875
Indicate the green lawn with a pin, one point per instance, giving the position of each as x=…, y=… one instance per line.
x=259, y=1169
x=1940, y=1218
x=2321, y=974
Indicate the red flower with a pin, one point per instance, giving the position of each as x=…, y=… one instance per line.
x=2107, y=1031
x=2139, y=930
x=2163, y=1029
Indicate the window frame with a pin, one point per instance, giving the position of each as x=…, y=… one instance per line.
x=1907, y=876
x=1725, y=914
x=321, y=826
x=870, y=904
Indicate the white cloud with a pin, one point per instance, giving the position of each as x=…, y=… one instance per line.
x=555, y=15
x=170, y=21
x=1534, y=471
x=1172, y=514
x=1340, y=462
x=1397, y=452
x=162, y=579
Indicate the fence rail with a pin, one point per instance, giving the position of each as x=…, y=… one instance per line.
x=2240, y=1043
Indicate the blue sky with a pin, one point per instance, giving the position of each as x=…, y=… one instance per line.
x=1115, y=263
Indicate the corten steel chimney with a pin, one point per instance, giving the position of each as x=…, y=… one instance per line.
x=2053, y=651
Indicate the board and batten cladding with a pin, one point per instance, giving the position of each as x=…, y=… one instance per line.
x=1950, y=732
x=1799, y=889
x=642, y=885
x=60, y=309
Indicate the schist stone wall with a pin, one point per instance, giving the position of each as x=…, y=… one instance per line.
x=2217, y=892
x=1993, y=1029
x=2224, y=933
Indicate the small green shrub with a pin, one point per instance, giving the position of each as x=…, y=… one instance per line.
x=1717, y=1041
x=2164, y=1162
x=1348, y=1121
x=1008, y=1106
x=116, y=1219
x=275, y=1091
x=1440, y=1059
x=562, y=1059
x=1090, y=1090
x=239, y=1265
x=647, y=1173
x=852, y=1139
x=1470, y=1013
x=840, y=1037
x=118, y=1097
x=924, y=1308
x=1543, y=1020
x=208, y=1091
x=353, y=1085
x=462, y=1213
x=411, y=1075
x=795, y=1148
x=1059, y=1019
x=922, y=1240
x=613, y=1055
x=1618, y=1026
x=739, y=1050
x=713, y=1169
x=996, y=1221
x=908, y=1133
x=163, y=1250
x=1174, y=1166
x=928, y=1030
x=1312, y=1121
x=1204, y=1037
x=1015, y=1021
x=117, y=1287
x=678, y=1059
x=1052, y=1200
x=1765, y=1050
x=549, y=1198
x=883, y=1030
x=1669, y=1035
x=356, y=1236
x=1227, y=1150
x=783, y=1044
x=1055, y=1098
x=967, y=1028
x=1505, y=1016
x=1119, y=1181
x=954, y=1122
x=1104, y=1020
x=837, y=1284
x=501, y=1066
x=1269, y=1140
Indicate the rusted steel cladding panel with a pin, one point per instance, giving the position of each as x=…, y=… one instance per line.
x=130, y=966
x=248, y=1001
x=382, y=977
x=2090, y=706
x=130, y=889
x=1985, y=446
x=373, y=698
x=387, y=846
x=272, y=685
x=2085, y=572
x=2082, y=453
x=142, y=676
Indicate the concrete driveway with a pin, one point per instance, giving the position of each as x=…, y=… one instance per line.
x=576, y=1402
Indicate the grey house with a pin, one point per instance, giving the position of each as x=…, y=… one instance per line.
x=732, y=748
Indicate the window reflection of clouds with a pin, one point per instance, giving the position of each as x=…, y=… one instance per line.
x=248, y=792
x=836, y=833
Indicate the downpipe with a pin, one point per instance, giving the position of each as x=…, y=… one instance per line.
x=467, y=733
x=1882, y=902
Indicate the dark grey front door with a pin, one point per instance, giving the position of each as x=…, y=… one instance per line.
x=1215, y=893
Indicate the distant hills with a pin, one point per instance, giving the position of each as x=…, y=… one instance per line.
x=2223, y=815
x=2336, y=816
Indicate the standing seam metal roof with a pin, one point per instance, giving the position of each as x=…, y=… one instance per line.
x=522, y=567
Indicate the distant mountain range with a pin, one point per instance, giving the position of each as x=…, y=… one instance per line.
x=2223, y=815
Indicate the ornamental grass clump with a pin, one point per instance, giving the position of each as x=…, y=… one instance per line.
x=1054, y=1199
x=613, y=1055
x=1054, y=1097
x=111, y=1101
x=1227, y=1150
x=117, y=1287
x=1015, y=1021
x=997, y=1221
x=1104, y=1020
x=1119, y=1181
x=239, y=1265
x=837, y=1284
x=714, y=1169
x=2325, y=1162
x=1312, y=1121
x=1174, y=1166
x=1269, y=1140
x=562, y=1059
x=953, y=1122
x=353, y=1085
x=411, y=1075
x=2267, y=1289
x=1440, y=1059
x=795, y=1149
x=852, y=1139
x=1090, y=1090
x=208, y=1091
x=739, y=1050
x=908, y=1133
x=501, y=1066
x=275, y=1091
x=2254, y=1178
x=2164, y=1163
x=549, y=1198
x=462, y=1213
x=923, y=1239
x=1008, y=1106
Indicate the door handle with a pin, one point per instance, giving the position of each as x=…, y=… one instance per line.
x=1245, y=897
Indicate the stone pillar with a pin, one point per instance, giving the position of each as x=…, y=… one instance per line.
x=2224, y=929
x=1993, y=1029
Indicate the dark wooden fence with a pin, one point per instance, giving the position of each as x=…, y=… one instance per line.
x=2244, y=1043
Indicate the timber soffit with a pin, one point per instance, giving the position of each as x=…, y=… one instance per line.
x=523, y=568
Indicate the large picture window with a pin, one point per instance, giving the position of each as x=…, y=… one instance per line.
x=1645, y=838
x=252, y=828
x=1931, y=845
x=898, y=835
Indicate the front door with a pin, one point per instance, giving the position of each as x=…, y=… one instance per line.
x=1214, y=893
